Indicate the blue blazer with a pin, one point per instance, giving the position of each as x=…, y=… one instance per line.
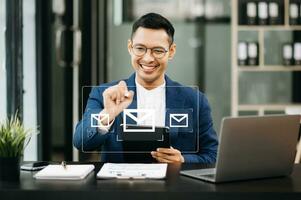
x=201, y=144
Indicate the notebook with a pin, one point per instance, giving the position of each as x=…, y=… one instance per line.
x=132, y=171
x=70, y=172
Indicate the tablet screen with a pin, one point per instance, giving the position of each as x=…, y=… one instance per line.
x=143, y=142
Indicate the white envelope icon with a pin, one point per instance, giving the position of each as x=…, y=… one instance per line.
x=146, y=115
x=176, y=119
x=97, y=120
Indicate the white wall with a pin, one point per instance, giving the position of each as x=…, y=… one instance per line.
x=29, y=72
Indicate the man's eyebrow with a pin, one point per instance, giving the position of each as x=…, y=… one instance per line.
x=138, y=44
x=148, y=47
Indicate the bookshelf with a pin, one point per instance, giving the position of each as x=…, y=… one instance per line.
x=237, y=70
x=237, y=108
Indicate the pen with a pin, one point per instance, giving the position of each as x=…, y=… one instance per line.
x=64, y=165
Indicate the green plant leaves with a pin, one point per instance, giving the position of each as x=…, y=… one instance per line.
x=12, y=137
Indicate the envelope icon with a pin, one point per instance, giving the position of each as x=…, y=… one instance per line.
x=142, y=117
x=98, y=120
x=178, y=120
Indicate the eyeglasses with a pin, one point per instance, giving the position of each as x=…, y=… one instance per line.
x=157, y=52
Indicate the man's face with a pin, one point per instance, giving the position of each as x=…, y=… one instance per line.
x=149, y=68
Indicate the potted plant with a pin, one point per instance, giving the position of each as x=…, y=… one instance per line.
x=13, y=139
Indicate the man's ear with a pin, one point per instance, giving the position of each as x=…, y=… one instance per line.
x=172, y=51
x=129, y=46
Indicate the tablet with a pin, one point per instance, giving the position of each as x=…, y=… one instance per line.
x=34, y=166
x=137, y=145
x=134, y=132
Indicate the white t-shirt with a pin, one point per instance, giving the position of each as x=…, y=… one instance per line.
x=152, y=99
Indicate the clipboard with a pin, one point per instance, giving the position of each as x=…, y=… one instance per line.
x=132, y=171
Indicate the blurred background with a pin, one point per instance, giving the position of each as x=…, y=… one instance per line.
x=244, y=55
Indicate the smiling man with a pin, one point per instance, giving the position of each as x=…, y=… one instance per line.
x=151, y=46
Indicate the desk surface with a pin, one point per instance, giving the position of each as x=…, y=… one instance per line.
x=174, y=187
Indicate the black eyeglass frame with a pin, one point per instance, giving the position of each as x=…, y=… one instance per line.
x=152, y=50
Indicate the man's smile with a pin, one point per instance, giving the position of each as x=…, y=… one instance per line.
x=148, y=68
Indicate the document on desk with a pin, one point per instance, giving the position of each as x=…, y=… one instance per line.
x=68, y=172
x=132, y=171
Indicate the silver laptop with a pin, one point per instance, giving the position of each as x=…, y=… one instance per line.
x=253, y=147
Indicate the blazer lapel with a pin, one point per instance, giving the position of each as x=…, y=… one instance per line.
x=131, y=86
x=174, y=101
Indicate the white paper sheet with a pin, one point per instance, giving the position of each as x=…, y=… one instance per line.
x=132, y=171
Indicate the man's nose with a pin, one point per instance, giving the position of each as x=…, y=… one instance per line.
x=148, y=57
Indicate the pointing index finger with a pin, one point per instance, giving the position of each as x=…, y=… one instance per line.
x=124, y=88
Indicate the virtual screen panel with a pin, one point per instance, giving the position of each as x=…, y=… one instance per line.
x=141, y=129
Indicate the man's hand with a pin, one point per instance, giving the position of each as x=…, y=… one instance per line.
x=116, y=99
x=166, y=155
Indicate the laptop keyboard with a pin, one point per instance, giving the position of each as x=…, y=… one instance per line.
x=207, y=175
x=210, y=171
x=201, y=172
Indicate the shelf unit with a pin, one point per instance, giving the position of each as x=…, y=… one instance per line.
x=269, y=68
x=236, y=107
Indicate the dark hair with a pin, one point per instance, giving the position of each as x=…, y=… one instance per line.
x=154, y=21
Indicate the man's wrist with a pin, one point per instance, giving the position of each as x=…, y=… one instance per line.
x=111, y=115
x=105, y=125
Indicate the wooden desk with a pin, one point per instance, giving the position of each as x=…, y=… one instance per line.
x=174, y=187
